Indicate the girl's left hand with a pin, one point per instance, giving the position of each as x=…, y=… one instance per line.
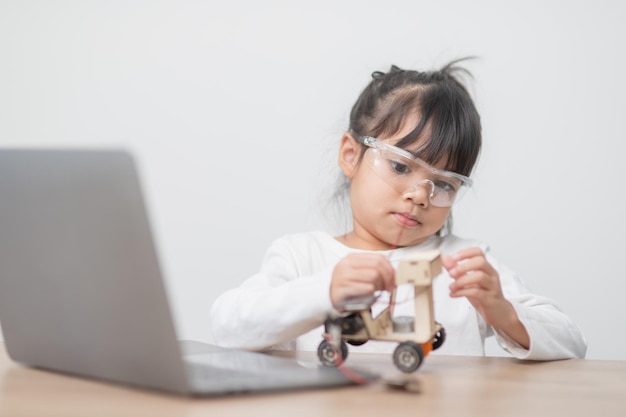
x=475, y=279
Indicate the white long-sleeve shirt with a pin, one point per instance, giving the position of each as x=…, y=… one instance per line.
x=285, y=304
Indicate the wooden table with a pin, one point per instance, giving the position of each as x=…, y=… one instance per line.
x=456, y=386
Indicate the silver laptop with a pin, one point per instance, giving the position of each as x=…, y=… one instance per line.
x=81, y=291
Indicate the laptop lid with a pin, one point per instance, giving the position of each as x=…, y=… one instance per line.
x=80, y=287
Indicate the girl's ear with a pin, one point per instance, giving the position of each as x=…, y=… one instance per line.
x=349, y=152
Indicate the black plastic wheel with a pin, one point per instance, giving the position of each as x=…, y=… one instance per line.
x=439, y=338
x=329, y=355
x=408, y=356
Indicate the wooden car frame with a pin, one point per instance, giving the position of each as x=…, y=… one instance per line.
x=416, y=335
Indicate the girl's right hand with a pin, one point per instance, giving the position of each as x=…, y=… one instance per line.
x=360, y=275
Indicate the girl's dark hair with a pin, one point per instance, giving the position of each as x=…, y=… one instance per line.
x=445, y=109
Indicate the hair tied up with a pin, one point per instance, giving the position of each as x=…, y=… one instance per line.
x=379, y=74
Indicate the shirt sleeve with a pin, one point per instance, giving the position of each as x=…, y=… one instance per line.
x=553, y=335
x=274, y=306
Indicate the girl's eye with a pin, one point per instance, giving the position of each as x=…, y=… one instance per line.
x=446, y=186
x=398, y=167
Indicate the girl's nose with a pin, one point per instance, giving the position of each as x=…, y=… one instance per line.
x=421, y=193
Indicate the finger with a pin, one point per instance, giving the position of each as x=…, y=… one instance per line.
x=477, y=263
x=388, y=275
x=448, y=262
x=365, y=276
x=472, y=280
x=467, y=253
x=376, y=269
x=341, y=294
x=471, y=293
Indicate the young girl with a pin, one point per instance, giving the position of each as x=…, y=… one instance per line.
x=413, y=140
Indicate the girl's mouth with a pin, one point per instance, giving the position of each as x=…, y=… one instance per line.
x=406, y=219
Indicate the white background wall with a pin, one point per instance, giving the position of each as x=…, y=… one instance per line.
x=234, y=110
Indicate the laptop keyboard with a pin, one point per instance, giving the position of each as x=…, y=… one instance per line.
x=200, y=372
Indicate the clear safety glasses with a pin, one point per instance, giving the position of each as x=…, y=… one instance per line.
x=405, y=173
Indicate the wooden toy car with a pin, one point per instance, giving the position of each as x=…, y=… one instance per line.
x=417, y=335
